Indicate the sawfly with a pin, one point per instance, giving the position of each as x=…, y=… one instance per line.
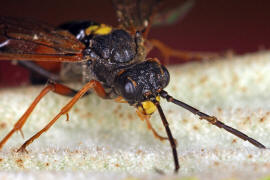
x=112, y=61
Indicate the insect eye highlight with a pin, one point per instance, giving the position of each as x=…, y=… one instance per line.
x=129, y=89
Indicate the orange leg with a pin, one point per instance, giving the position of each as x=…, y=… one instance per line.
x=19, y=124
x=143, y=117
x=56, y=88
x=92, y=84
x=168, y=52
x=120, y=99
x=147, y=120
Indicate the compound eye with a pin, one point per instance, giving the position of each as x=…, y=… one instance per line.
x=129, y=90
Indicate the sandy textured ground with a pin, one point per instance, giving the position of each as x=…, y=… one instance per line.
x=106, y=140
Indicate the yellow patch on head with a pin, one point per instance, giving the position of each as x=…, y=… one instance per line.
x=101, y=29
x=148, y=107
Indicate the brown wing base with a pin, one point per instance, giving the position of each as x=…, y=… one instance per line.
x=22, y=39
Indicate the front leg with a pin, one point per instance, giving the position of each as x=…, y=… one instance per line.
x=64, y=111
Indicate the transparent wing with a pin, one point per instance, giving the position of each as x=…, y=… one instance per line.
x=139, y=14
x=135, y=14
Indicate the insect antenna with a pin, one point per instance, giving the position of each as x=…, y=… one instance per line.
x=169, y=134
x=212, y=119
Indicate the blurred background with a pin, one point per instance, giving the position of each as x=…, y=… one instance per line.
x=210, y=26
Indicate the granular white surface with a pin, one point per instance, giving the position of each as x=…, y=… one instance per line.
x=106, y=140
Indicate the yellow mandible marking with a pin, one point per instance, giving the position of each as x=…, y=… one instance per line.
x=148, y=107
x=101, y=29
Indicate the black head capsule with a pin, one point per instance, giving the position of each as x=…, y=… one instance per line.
x=138, y=82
